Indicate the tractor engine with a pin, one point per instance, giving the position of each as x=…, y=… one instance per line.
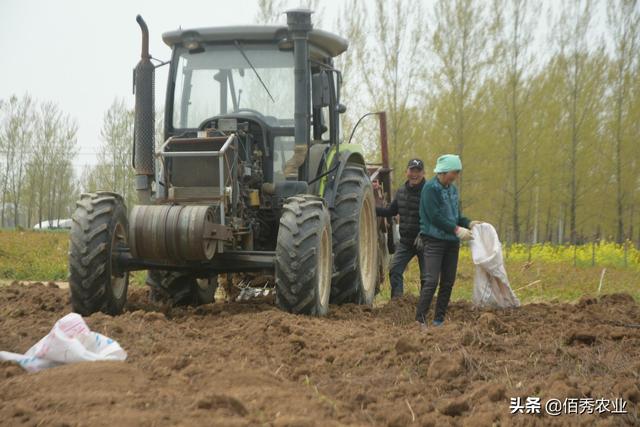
x=209, y=195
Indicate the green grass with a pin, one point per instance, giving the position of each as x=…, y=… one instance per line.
x=33, y=255
x=38, y=256
x=42, y=256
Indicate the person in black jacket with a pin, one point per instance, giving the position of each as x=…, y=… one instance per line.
x=406, y=204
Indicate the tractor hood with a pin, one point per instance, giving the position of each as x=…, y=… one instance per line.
x=332, y=44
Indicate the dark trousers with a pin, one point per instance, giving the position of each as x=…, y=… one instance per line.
x=441, y=263
x=401, y=257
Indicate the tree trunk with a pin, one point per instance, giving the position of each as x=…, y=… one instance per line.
x=515, y=132
x=561, y=226
x=548, y=234
x=40, y=198
x=461, y=104
x=619, y=194
x=574, y=152
x=4, y=204
x=535, y=216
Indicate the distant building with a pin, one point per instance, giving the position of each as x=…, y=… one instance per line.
x=55, y=224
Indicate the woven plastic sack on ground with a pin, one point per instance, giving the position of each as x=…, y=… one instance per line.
x=69, y=341
x=491, y=285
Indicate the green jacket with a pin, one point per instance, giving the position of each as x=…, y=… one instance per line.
x=440, y=211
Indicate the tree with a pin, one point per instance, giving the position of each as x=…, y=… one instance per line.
x=623, y=24
x=582, y=75
x=16, y=133
x=462, y=43
x=269, y=11
x=113, y=171
x=515, y=61
x=633, y=165
x=350, y=23
x=50, y=168
x=23, y=133
x=6, y=149
x=385, y=58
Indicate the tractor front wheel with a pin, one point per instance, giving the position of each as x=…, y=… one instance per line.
x=98, y=231
x=303, y=256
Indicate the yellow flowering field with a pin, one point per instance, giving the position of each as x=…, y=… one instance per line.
x=603, y=254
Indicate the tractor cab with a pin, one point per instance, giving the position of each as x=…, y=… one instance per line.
x=246, y=78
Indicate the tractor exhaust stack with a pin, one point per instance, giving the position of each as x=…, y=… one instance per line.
x=144, y=124
x=299, y=23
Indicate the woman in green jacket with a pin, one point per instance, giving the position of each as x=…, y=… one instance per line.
x=442, y=227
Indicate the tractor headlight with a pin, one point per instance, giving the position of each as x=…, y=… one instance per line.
x=191, y=41
x=191, y=44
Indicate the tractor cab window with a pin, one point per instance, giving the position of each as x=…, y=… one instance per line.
x=221, y=80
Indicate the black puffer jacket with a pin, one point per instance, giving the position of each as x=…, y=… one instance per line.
x=407, y=205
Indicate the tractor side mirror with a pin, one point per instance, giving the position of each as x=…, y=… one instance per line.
x=321, y=90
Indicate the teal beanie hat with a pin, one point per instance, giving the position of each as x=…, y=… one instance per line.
x=448, y=163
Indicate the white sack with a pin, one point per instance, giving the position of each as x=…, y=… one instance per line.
x=491, y=284
x=69, y=341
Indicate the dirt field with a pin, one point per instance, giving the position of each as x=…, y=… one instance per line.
x=231, y=364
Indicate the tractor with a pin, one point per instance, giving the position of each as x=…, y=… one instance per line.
x=251, y=176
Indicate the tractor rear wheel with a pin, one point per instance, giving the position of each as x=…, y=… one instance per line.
x=98, y=230
x=303, y=256
x=181, y=288
x=355, y=239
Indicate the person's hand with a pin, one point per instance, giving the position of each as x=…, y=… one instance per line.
x=474, y=223
x=418, y=243
x=463, y=234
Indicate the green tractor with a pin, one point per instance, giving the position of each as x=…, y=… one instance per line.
x=251, y=177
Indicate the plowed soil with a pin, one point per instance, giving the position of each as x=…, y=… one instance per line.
x=237, y=364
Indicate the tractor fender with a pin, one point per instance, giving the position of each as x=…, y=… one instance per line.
x=352, y=155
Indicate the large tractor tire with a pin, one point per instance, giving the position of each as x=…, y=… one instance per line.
x=355, y=239
x=303, y=256
x=98, y=230
x=181, y=288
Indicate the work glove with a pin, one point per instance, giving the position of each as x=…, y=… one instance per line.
x=463, y=234
x=418, y=244
x=474, y=223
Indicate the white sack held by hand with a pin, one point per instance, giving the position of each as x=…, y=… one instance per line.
x=491, y=285
x=69, y=341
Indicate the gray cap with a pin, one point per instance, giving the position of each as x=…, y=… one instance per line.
x=415, y=164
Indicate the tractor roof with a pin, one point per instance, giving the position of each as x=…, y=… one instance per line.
x=331, y=43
